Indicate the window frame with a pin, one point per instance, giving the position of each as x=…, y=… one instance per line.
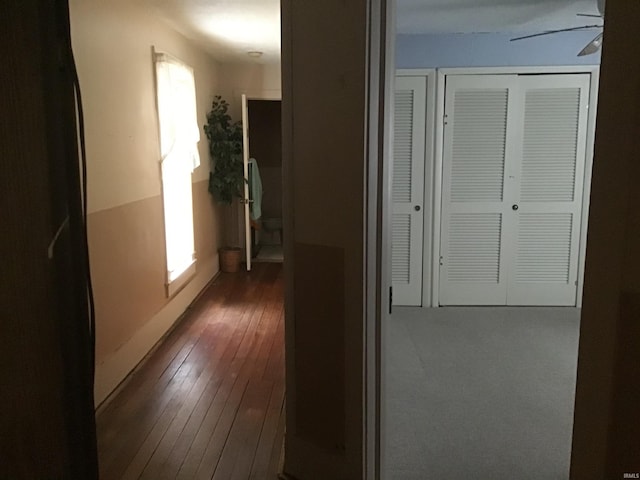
x=188, y=150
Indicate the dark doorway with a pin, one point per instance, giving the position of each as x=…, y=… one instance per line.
x=265, y=145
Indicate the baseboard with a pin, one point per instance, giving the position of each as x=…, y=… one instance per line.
x=115, y=368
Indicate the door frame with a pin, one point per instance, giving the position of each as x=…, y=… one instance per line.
x=268, y=95
x=436, y=186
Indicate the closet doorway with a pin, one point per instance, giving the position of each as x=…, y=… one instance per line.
x=491, y=185
x=513, y=175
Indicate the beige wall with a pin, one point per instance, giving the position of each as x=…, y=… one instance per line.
x=324, y=116
x=255, y=80
x=113, y=46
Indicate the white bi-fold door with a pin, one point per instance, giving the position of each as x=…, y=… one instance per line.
x=513, y=170
x=407, y=220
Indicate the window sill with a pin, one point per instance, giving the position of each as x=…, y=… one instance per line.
x=174, y=286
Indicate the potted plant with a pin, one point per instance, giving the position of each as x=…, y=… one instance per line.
x=226, y=180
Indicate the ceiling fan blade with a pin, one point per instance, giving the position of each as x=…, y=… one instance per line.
x=549, y=32
x=591, y=15
x=592, y=47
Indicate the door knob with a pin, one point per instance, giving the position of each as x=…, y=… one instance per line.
x=515, y=207
x=417, y=208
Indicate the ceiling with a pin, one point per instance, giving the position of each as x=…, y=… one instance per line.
x=229, y=29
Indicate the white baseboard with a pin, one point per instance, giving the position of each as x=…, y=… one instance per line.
x=113, y=369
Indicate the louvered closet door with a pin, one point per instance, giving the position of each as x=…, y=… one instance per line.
x=477, y=142
x=408, y=189
x=549, y=173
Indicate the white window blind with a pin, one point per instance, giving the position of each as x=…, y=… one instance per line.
x=179, y=136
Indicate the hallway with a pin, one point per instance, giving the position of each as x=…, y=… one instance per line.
x=208, y=402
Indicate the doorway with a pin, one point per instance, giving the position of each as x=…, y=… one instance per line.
x=476, y=386
x=265, y=168
x=514, y=156
x=234, y=330
x=430, y=244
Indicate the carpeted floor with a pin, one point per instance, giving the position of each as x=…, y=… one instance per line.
x=480, y=393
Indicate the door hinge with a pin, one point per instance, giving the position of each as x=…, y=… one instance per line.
x=390, y=298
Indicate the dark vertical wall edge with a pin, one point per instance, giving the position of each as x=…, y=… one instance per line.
x=605, y=433
x=71, y=261
x=47, y=426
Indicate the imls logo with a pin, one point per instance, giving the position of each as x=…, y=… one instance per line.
x=631, y=475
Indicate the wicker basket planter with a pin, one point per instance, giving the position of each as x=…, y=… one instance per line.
x=230, y=259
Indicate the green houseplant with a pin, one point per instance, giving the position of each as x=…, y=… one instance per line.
x=226, y=179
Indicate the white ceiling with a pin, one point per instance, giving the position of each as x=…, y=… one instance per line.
x=228, y=29
x=231, y=28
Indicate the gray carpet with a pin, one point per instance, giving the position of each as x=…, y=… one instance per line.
x=480, y=393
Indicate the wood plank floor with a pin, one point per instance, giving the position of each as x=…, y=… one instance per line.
x=209, y=402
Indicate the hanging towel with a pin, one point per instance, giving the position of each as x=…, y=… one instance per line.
x=255, y=190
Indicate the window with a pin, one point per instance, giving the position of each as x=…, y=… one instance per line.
x=179, y=136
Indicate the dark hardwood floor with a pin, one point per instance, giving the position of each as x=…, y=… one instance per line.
x=209, y=402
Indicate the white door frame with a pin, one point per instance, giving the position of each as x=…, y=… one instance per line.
x=259, y=94
x=245, y=173
x=244, y=231
x=594, y=71
x=378, y=207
